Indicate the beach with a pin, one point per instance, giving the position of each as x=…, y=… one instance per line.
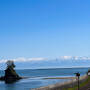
x=65, y=85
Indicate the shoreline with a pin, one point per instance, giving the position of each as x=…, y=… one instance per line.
x=60, y=78
x=64, y=85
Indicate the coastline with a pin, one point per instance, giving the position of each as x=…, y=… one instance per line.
x=64, y=85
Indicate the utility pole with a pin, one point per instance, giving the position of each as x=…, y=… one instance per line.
x=78, y=75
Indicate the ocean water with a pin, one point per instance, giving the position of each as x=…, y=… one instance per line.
x=35, y=77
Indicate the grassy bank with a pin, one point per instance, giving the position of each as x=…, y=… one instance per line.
x=81, y=84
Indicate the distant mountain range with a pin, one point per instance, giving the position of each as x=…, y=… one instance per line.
x=61, y=62
x=56, y=63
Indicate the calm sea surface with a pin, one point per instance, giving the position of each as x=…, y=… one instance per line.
x=36, y=76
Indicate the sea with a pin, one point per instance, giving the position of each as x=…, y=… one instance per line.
x=35, y=77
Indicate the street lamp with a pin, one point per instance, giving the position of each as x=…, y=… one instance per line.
x=78, y=75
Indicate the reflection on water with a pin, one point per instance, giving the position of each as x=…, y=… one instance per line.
x=26, y=84
x=10, y=81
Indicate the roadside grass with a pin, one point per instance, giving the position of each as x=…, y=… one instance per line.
x=81, y=85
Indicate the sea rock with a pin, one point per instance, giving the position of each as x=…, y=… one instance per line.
x=10, y=73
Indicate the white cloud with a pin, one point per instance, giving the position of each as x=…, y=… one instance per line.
x=85, y=58
x=3, y=61
x=65, y=57
x=22, y=59
x=74, y=58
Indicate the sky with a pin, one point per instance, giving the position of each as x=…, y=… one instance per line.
x=44, y=28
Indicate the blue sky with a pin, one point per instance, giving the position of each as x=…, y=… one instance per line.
x=44, y=28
